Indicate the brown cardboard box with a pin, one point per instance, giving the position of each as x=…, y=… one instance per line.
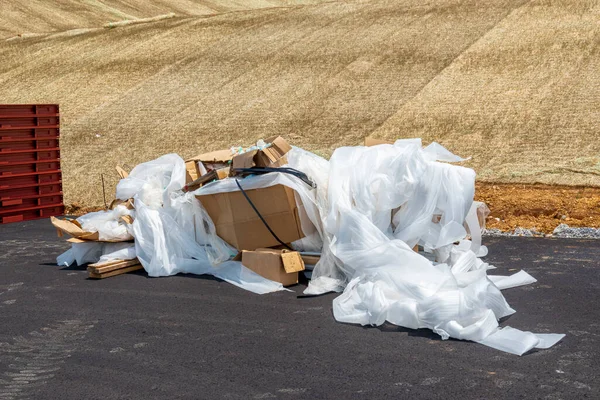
x=277, y=265
x=237, y=223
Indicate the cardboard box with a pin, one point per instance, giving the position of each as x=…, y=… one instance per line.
x=277, y=265
x=237, y=223
x=369, y=141
x=219, y=159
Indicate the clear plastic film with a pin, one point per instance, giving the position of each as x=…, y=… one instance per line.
x=432, y=205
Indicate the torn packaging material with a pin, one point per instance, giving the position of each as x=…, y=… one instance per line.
x=203, y=163
x=238, y=224
x=277, y=265
x=106, y=226
x=272, y=156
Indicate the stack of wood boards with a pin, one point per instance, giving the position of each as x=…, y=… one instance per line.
x=113, y=268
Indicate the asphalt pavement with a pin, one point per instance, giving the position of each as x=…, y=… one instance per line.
x=64, y=336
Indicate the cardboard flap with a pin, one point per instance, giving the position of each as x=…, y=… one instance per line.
x=273, y=154
x=75, y=240
x=128, y=219
x=73, y=229
x=122, y=173
x=117, y=202
x=244, y=160
x=369, y=141
x=310, y=260
x=292, y=262
x=219, y=156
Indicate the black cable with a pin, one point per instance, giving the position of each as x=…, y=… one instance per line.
x=286, y=170
x=260, y=216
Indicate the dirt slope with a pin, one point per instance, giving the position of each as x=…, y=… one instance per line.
x=524, y=100
x=324, y=75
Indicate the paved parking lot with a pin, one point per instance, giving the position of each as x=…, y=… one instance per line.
x=63, y=336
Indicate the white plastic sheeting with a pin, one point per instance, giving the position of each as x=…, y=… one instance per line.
x=91, y=252
x=370, y=207
x=387, y=280
x=108, y=224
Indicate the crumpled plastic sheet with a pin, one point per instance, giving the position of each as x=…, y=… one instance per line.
x=108, y=224
x=387, y=280
x=370, y=207
x=91, y=252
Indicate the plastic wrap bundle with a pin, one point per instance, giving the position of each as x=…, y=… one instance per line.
x=384, y=279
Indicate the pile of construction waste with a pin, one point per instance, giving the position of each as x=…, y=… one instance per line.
x=393, y=227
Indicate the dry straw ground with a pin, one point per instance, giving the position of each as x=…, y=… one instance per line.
x=512, y=83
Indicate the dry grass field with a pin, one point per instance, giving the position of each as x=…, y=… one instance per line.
x=512, y=83
x=31, y=17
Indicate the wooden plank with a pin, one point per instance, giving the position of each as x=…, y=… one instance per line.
x=111, y=267
x=105, y=263
x=116, y=272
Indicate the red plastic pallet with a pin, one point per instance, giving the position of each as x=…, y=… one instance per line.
x=30, y=176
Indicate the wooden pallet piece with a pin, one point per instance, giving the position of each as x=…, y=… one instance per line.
x=111, y=265
x=116, y=272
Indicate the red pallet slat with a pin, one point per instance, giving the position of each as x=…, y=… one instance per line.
x=21, y=180
x=7, y=121
x=17, y=156
x=8, y=146
x=29, y=203
x=34, y=213
x=32, y=190
x=28, y=167
x=30, y=176
x=18, y=134
x=28, y=109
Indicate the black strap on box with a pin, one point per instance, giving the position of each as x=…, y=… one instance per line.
x=260, y=216
x=286, y=170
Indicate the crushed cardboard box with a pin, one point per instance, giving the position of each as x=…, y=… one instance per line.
x=277, y=265
x=236, y=221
